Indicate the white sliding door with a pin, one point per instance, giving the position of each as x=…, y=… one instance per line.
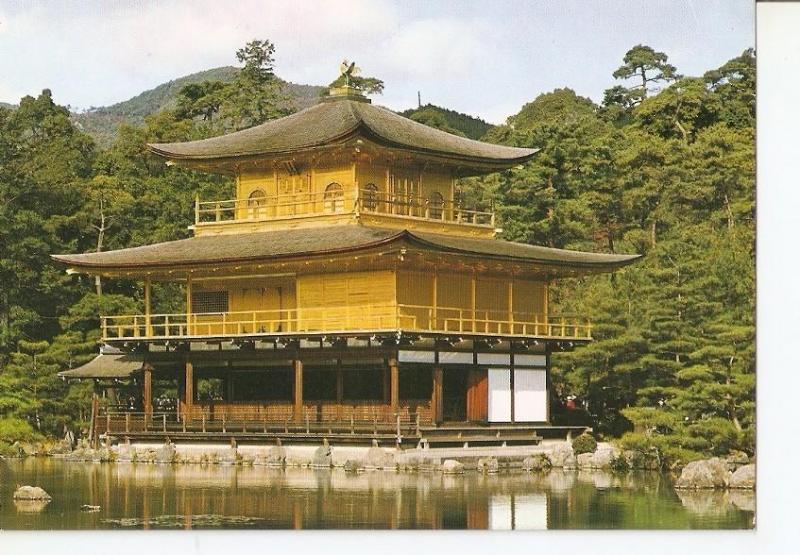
x=499, y=395
x=530, y=395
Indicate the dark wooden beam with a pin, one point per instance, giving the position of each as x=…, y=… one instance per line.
x=298, y=390
x=394, y=388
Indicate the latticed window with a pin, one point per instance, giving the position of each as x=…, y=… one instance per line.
x=436, y=206
x=209, y=301
x=334, y=198
x=371, y=197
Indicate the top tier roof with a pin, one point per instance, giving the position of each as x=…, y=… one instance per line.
x=336, y=121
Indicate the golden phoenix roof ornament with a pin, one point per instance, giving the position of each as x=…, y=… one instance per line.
x=348, y=70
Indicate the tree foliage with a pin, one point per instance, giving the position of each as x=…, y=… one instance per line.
x=667, y=173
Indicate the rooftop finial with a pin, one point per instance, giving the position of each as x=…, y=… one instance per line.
x=348, y=70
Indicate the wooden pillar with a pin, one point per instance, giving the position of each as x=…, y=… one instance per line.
x=148, y=330
x=147, y=389
x=188, y=391
x=339, y=383
x=394, y=387
x=435, y=323
x=188, y=305
x=298, y=390
x=436, y=400
x=511, y=305
x=473, y=287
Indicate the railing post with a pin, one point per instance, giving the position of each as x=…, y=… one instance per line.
x=127, y=422
x=196, y=209
x=108, y=422
x=399, y=435
x=203, y=422
x=223, y=421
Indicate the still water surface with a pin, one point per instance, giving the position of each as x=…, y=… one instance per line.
x=134, y=496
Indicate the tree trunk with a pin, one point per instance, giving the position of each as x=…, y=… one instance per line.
x=101, y=232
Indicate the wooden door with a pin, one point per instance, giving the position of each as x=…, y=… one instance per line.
x=478, y=395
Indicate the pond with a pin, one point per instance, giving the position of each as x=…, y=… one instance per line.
x=142, y=496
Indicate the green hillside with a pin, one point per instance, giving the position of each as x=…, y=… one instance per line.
x=448, y=120
x=102, y=123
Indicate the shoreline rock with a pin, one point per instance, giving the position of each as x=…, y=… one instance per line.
x=31, y=493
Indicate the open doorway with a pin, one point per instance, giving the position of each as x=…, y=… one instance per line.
x=454, y=395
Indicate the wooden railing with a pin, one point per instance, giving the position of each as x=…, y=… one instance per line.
x=317, y=417
x=341, y=319
x=369, y=202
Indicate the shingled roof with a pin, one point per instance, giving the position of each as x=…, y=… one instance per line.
x=270, y=245
x=106, y=366
x=334, y=122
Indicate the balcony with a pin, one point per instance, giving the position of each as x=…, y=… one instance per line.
x=346, y=320
x=332, y=203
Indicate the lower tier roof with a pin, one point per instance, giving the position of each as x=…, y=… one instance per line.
x=271, y=245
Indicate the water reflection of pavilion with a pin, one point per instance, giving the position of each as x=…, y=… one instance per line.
x=304, y=498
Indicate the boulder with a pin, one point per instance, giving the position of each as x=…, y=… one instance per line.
x=452, y=467
x=276, y=456
x=489, y=465
x=562, y=456
x=378, y=458
x=351, y=465
x=165, y=454
x=31, y=493
x=323, y=456
x=536, y=463
x=735, y=459
x=584, y=460
x=705, y=474
x=601, y=459
x=229, y=456
x=744, y=477
x=126, y=453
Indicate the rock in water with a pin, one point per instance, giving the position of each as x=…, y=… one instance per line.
x=352, y=466
x=706, y=474
x=562, y=456
x=489, y=465
x=536, y=463
x=229, y=456
x=744, y=477
x=323, y=457
x=584, y=460
x=166, y=454
x=378, y=458
x=452, y=467
x=126, y=453
x=31, y=493
x=276, y=456
x=90, y=508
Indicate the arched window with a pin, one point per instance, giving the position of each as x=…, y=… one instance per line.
x=257, y=198
x=436, y=205
x=256, y=203
x=371, y=197
x=334, y=198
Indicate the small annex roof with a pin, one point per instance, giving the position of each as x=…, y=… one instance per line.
x=108, y=366
x=271, y=245
x=334, y=121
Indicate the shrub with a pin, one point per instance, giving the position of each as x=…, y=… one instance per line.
x=620, y=464
x=15, y=429
x=584, y=443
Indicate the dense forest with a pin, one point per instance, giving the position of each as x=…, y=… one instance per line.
x=664, y=166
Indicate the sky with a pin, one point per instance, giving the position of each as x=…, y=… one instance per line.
x=481, y=57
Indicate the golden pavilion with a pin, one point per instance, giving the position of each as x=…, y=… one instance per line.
x=344, y=293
